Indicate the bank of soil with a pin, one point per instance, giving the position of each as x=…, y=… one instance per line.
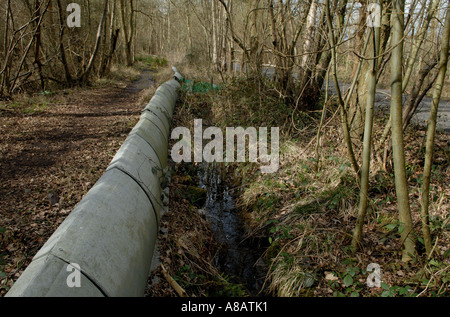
x=52, y=151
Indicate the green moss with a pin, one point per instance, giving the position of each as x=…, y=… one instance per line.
x=153, y=62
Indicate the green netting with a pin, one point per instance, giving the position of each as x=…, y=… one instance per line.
x=191, y=86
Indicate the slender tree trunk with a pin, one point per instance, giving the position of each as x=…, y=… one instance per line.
x=359, y=101
x=5, y=39
x=127, y=31
x=38, y=42
x=215, y=59
x=418, y=42
x=414, y=98
x=324, y=59
x=88, y=70
x=410, y=66
x=27, y=50
x=401, y=184
x=189, y=29
x=322, y=120
x=234, y=36
x=367, y=143
x=342, y=106
x=5, y=69
x=169, y=23
x=62, y=52
x=113, y=37
x=231, y=69
x=309, y=35
x=431, y=133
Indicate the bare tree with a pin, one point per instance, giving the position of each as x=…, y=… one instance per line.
x=342, y=105
x=367, y=144
x=88, y=69
x=431, y=133
x=127, y=20
x=401, y=184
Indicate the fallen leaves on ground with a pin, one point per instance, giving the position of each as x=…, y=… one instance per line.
x=49, y=159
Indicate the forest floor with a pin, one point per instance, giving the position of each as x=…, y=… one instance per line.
x=53, y=148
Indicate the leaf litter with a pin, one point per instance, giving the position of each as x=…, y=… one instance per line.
x=51, y=157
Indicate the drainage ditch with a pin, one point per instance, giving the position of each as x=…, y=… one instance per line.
x=241, y=258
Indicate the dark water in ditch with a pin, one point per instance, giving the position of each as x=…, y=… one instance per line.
x=241, y=258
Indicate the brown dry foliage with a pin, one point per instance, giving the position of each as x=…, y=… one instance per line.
x=52, y=151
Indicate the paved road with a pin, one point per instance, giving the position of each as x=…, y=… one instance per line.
x=383, y=99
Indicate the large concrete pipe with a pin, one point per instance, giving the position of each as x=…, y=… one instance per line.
x=105, y=246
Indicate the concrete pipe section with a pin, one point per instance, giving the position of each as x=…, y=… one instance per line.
x=105, y=246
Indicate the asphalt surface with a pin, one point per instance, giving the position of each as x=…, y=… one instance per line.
x=383, y=99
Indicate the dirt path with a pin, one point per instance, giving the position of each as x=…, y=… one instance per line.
x=51, y=154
